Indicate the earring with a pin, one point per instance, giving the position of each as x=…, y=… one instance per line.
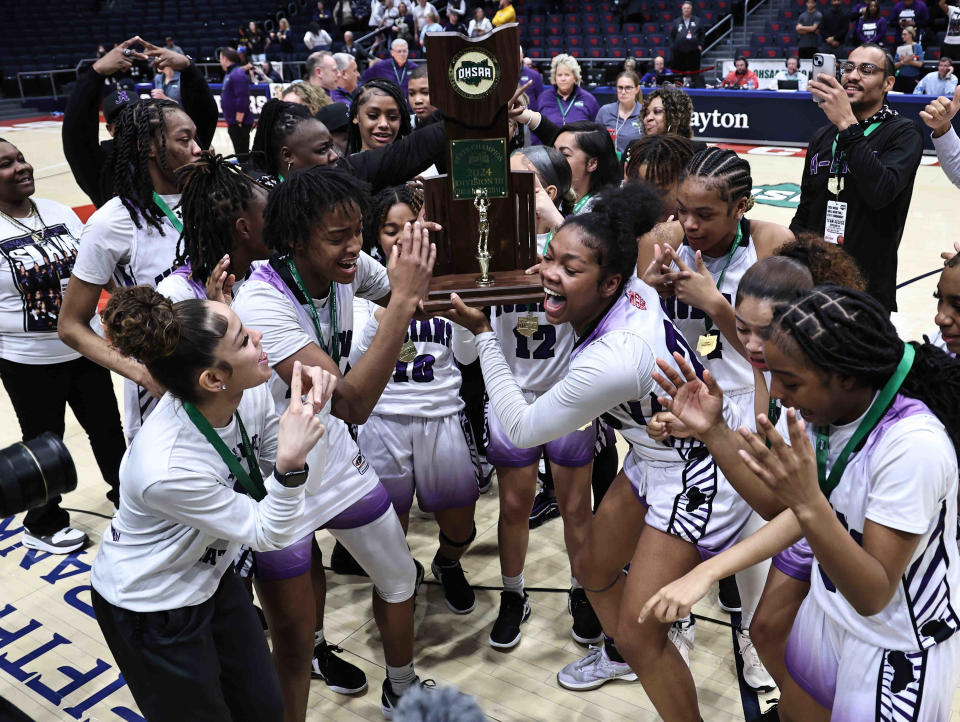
x=289, y=163
x=223, y=387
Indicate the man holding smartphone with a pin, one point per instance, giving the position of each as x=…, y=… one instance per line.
x=859, y=169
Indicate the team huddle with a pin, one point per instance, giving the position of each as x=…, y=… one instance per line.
x=281, y=379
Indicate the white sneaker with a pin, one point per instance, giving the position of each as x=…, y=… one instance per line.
x=593, y=671
x=64, y=541
x=754, y=673
x=682, y=633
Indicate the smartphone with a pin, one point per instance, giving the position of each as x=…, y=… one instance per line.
x=823, y=63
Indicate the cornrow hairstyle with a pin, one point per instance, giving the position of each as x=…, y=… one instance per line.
x=278, y=121
x=362, y=97
x=175, y=341
x=214, y=192
x=553, y=170
x=849, y=333
x=300, y=204
x=376, y=215
x=137, y=127
x=661, y=158
x=723, y=170
x=611, y=229
x=594, y=140
x=677, y=108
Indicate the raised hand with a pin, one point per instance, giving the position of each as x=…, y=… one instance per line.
x=300, y=429
x=939, y=113
x=515, y=108
x=165, y=57
x=410, y=266
x=697, y=404
x=220, y=282
x=120, y=58
x=664, y=424
x=658, y=272
x=695, y=287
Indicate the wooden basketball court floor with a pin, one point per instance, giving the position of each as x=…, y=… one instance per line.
x=54, y=664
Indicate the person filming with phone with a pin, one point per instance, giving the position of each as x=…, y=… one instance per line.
x=859, y=169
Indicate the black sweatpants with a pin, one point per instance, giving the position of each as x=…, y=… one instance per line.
x=40, y=394
x=240, y=137
x=205, y=663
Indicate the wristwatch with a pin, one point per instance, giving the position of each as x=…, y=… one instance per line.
x=293, y=479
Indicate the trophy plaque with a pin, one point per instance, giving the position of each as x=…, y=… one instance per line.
x=485, y=209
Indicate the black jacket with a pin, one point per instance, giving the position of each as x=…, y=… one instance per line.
x=90, y=160
x=400, y=161
x=878, y=175
x=836, y=24
x=678, y=36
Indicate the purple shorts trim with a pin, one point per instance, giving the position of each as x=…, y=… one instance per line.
x=365, y=510
x=286, y=563
x=702, y=551
x=576, y=449
x=796, y=561
x=800, y=653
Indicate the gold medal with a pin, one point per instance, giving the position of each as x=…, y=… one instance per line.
x=408, y=352
x=527, y=325
x=707, y=344
x=833, y=185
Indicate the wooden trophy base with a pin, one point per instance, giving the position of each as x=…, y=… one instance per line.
x=509, y=287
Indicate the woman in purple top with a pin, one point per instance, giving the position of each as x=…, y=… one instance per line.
x=565, y=101
x=872, y=27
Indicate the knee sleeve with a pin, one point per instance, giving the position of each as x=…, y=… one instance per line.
x=381, y=549
x=459, y=544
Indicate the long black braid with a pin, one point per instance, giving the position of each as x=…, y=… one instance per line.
x=849, y=333
x=384, y=87
x=376, y=215
x=724, y=170
x=138, y=125
x=215, y=191
x=278, y=120
x=296, y=206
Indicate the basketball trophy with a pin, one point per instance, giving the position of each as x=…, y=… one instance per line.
x=486, y=210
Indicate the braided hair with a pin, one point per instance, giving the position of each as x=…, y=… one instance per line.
x=137, y=127
x=849, y=333
x=278, y=121
x=677, y=109
x=364, y=93
x=215, y=191
x=376, y=216
x=723, y=170
x=662, y=159
x=299, y=205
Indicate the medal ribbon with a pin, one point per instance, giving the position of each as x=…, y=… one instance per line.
x=334, y=349
x=563, y=113
x=252, y=482
x=708, y=322
x=171, y=216
x=874, y=413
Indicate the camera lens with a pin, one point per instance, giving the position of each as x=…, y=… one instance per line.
x=33, y=472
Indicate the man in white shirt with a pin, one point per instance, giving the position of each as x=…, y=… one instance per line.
x=791, y=72
x=941, y=82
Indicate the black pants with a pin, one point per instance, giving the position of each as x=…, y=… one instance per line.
x=240, y=137
x=40, y=393
x=806, y=52
x=206, y=663
x=685, y=60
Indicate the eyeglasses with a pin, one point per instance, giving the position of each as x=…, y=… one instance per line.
x=864, y=68
x=626, y=88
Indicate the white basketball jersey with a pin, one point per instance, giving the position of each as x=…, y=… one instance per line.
x=538, y=360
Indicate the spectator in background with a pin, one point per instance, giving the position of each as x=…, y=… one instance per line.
x=266, y=74
x=454, y=25
x=282, y=43
x=350, y=15
x=316, y=38
x=171, y=44
x=741, y=76
x=622, y=118
x=312, y=96
x=420, y=10
x=480, y=24
x=430, y=26
x=235, y=101
x=658, y=75
x=686, y=40
x=506, y=14
x=909, y=62
x=347, y=77
x=835, y=25
x=529, y=74
x=396, y=69
x=257, y=43
x=565, y=101
x=872, y=26
x=791, y=73
x=808, y=29
x=941, y=82
x=418, y=96
x=352, y=49
x=951, y=41
x=323, y=18
x=457, y=6
x=669, y=110
x=405, y=26
x=166, y=84
x=321, y=71
x=630, y=64
x=911, y=12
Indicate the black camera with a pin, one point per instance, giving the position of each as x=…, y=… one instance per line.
x=33, y=472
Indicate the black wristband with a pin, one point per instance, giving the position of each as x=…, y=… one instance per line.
x=293, y=479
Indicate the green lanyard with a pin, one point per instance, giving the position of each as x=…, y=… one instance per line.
x=334, y=349
x=563, y=113
x=581, y=203
x=708, y=322
x=171, y=216
x=252, y=482
x=835, y=162
x=401, y=76
x=874, y=413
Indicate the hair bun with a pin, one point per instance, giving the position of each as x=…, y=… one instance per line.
x=141, y=323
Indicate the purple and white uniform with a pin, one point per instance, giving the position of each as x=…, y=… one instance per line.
x=902, y=663
x=609, y=377
x=418, y=438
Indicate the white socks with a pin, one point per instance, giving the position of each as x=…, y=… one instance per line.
x=513, y=584
x=401, y=678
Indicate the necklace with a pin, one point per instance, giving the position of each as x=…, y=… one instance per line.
x=36, y=235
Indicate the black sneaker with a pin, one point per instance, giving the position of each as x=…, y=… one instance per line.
x=771, y=715
x=389, y=699
x=457, y=592
x=544, y=509
x=486, y=475
x=340, y=676
x=342, y=562
x=729, y=596
x=586, y=627
x=514, y=611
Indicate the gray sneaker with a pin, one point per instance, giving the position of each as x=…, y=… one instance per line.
x=64, y=541
x=594, y=670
